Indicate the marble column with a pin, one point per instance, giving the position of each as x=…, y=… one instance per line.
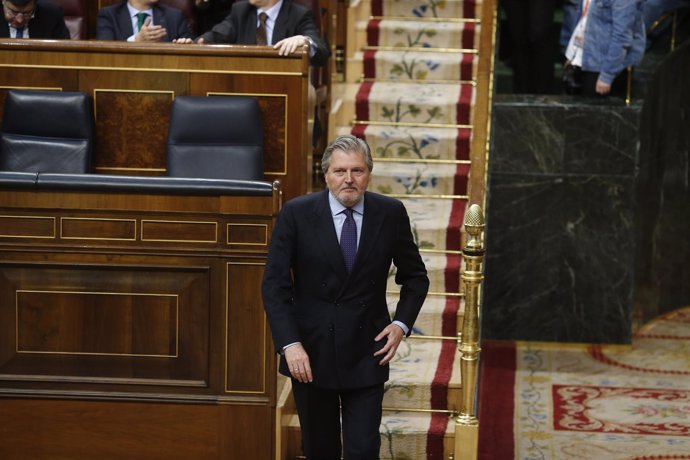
x=560, y=215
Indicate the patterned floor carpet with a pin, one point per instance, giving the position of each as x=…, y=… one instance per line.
x=545, y=401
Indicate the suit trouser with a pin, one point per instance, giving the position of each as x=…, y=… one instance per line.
x=319, y=411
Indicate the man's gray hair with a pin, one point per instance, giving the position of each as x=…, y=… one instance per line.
x=347, y=143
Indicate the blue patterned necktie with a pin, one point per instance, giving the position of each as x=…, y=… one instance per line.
x=20, y=32
x=348, y=239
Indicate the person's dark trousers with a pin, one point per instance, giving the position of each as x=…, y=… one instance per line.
x=533, y=45
x=619, y=87
x=319, y=412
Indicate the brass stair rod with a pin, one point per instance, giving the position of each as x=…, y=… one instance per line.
x=467, y=423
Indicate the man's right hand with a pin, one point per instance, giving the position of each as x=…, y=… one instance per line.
x=149, y=33
x=298, y=363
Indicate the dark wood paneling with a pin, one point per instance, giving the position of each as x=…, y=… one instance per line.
x=128, y=348
x=106, y=321
x=98, y=228
x=247, y=329
x=84, y=430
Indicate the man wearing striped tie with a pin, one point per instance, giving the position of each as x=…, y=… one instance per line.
x=141, y=21
x=283, y=24
x=32, y=19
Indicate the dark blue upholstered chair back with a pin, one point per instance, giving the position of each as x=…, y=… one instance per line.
x=216, y=137
x=47, y=131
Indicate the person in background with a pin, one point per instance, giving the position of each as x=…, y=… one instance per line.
x=141, y=21
x=324, y=292
x=533, y=46
x=211, y=12
x=287, y=27
x=608, y=37
x=33, y=19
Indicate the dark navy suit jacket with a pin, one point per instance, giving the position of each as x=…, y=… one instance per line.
x=240, y=27
x=310, y=298
x=114, y=22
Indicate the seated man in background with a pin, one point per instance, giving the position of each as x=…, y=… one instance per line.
x=287, y=26
x=141, y=21
x=33, y=19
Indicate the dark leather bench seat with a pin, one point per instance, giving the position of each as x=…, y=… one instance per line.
x=134, y=184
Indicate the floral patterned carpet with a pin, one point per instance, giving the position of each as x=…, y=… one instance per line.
x=590, y=401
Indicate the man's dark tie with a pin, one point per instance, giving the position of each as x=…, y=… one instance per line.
x=348, y=239
x=261, y=30
x=141, y=19
x=20, y=32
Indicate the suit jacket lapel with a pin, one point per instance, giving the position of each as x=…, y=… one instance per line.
x=160, y=20
x=327, y=237
x=280, y=27
x=371, y=226
x=125, y=21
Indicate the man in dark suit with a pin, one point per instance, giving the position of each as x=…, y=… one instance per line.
x=287, y=26
x=141, y=21
x=33, y=19
x=324, y=291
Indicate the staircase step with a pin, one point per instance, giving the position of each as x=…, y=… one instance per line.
x=444, y=104
x=420, y=179
x=406, y=436
x=416, y=65
x=426, y=8
x=425, y=374
x=436, y=223
x=441, y=35
x=443, y=271
x=414, y=144
x=439, y=317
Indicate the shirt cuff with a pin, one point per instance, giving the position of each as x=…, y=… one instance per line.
x=402, y=326
x=282, y=352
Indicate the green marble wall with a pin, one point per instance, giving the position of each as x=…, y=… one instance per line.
x=560, y=220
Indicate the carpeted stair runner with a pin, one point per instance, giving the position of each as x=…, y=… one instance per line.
x=417, y=65
x=430, y=9
x=412, y=102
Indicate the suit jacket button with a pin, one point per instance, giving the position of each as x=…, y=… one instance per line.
x=330, y=328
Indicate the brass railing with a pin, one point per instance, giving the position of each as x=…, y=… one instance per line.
x=467, y=423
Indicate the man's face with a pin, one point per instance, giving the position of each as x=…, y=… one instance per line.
x=18, y=16
x=143, y=4
x=347, y=177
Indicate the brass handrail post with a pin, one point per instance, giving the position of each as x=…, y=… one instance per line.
x=467, y=423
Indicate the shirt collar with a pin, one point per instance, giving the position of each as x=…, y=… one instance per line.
x=337, y=207
x=272, y=12
x=133, y=11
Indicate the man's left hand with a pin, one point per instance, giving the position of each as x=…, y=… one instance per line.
x=394, y=335
x=291, y=44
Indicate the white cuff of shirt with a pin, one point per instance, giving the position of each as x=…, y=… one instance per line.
x=288, y=346
x=402, y=326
